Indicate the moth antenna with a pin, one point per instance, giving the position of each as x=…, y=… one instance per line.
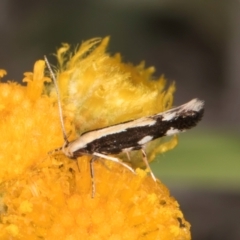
x=58, y=100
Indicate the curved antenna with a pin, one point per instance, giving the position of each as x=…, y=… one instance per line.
x=58, y=100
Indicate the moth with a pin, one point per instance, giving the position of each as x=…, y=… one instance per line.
x=130, y=135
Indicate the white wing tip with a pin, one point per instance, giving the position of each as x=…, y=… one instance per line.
x=194, y=105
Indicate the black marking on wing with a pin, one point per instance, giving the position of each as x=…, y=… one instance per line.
x=116, y=142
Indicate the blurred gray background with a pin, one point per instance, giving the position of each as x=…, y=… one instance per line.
x=193, y=42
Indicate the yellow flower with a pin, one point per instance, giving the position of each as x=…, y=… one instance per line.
x=48, y=196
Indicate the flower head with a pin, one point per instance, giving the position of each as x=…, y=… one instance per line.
x=48, y=196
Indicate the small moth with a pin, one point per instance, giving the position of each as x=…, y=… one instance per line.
x=131, y=135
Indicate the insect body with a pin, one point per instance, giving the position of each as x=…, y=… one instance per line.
x=135, y=134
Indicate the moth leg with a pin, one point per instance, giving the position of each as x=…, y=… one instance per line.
x=93, y=176
x=78, y=166
x=128, y=156
x=147, y=164
x=54, y=151
x=60, y=148
x=113, y=159
x=104, y=163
